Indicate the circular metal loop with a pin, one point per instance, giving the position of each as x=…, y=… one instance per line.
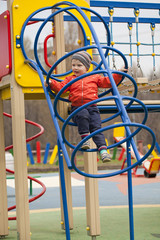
x=98, y=70
x=119, y=171
x=67, y=121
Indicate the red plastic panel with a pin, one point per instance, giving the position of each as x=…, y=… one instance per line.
x=5, y=45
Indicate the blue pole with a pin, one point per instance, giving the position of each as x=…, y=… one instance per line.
x=56, y=124
x=130, y=197
x=30, y=153
x=46, y=153
x=158, y=147
x=63, y=188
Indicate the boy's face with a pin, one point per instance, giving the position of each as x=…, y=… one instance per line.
x=78, y=68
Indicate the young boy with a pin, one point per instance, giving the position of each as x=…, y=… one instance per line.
x=83, y=91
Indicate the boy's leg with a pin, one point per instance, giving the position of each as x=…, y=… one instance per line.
x=95, y=124
x=99, y=139
x=82, y=119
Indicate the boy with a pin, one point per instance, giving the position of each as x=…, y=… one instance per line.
x=83, y=91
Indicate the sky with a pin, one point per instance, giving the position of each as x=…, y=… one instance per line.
x=121, y=34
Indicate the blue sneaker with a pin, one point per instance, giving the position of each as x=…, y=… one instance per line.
x=105, y=156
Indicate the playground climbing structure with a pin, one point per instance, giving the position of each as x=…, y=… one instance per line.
x=27, y=79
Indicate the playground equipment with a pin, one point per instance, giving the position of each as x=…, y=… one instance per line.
x=46, y=154
x=151, y=166
x=54, y=154
x=31, y=199
x=10, y=170
x=25, y=84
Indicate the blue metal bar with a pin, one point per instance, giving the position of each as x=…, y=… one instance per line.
x=42, y=26
x=126, y=139
x=39, y=20
x=46, y=153
x=75, y=80
x=119, y=102
x=54, y=118
x=130, y=197
x=95, y=3
x=30, y=153
x=104, y=120
x=131, y=109
x=158, y=147
x=50, y=75
x=63, y=188
x=45, y=20
x=134, y=43
x=119, y=19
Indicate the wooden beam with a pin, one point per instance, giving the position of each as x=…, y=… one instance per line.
x=92, y=194
x=59, y=43
x=19, y=149
x=3, y=185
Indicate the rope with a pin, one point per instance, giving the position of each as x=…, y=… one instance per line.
x=130, y=26
x=111, y=11
x=152, y=26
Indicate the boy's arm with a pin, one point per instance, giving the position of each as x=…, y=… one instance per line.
x=57, y=86
x=104, y=82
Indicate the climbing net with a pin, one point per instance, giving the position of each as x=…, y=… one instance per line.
x=135, y=32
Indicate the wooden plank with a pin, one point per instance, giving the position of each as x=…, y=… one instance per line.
x=20, y=161
x=19, y=147
x=59, y=43
x=92, y=194
x=3, y=188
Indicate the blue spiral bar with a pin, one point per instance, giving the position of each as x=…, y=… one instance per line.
x=52, y=113
x=118, y=100
x=50, y=75
x=40, y=29
x=130, y=197
x=105, y=120
x=64, y=195
x=119, y=171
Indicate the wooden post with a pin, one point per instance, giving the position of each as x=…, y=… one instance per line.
x=20, y=161
x=63, y=110
x=19, y=149
x=91, y=185
x=92, y=195
x=3, y=185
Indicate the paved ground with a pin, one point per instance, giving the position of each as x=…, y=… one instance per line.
x=112, y=191
x=113, y=201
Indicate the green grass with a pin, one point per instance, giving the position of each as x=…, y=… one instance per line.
x=79, y=163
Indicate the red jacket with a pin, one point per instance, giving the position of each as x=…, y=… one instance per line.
x=84, y=90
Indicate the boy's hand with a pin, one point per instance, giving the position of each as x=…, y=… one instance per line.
x=45, y=83
x=124, y=70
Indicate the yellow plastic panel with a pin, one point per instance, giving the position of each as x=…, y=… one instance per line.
x=22, y=9
x=6, y=93
x=119, y=131
x=155, y=164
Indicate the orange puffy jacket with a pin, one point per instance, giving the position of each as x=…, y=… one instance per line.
x=84, y=90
